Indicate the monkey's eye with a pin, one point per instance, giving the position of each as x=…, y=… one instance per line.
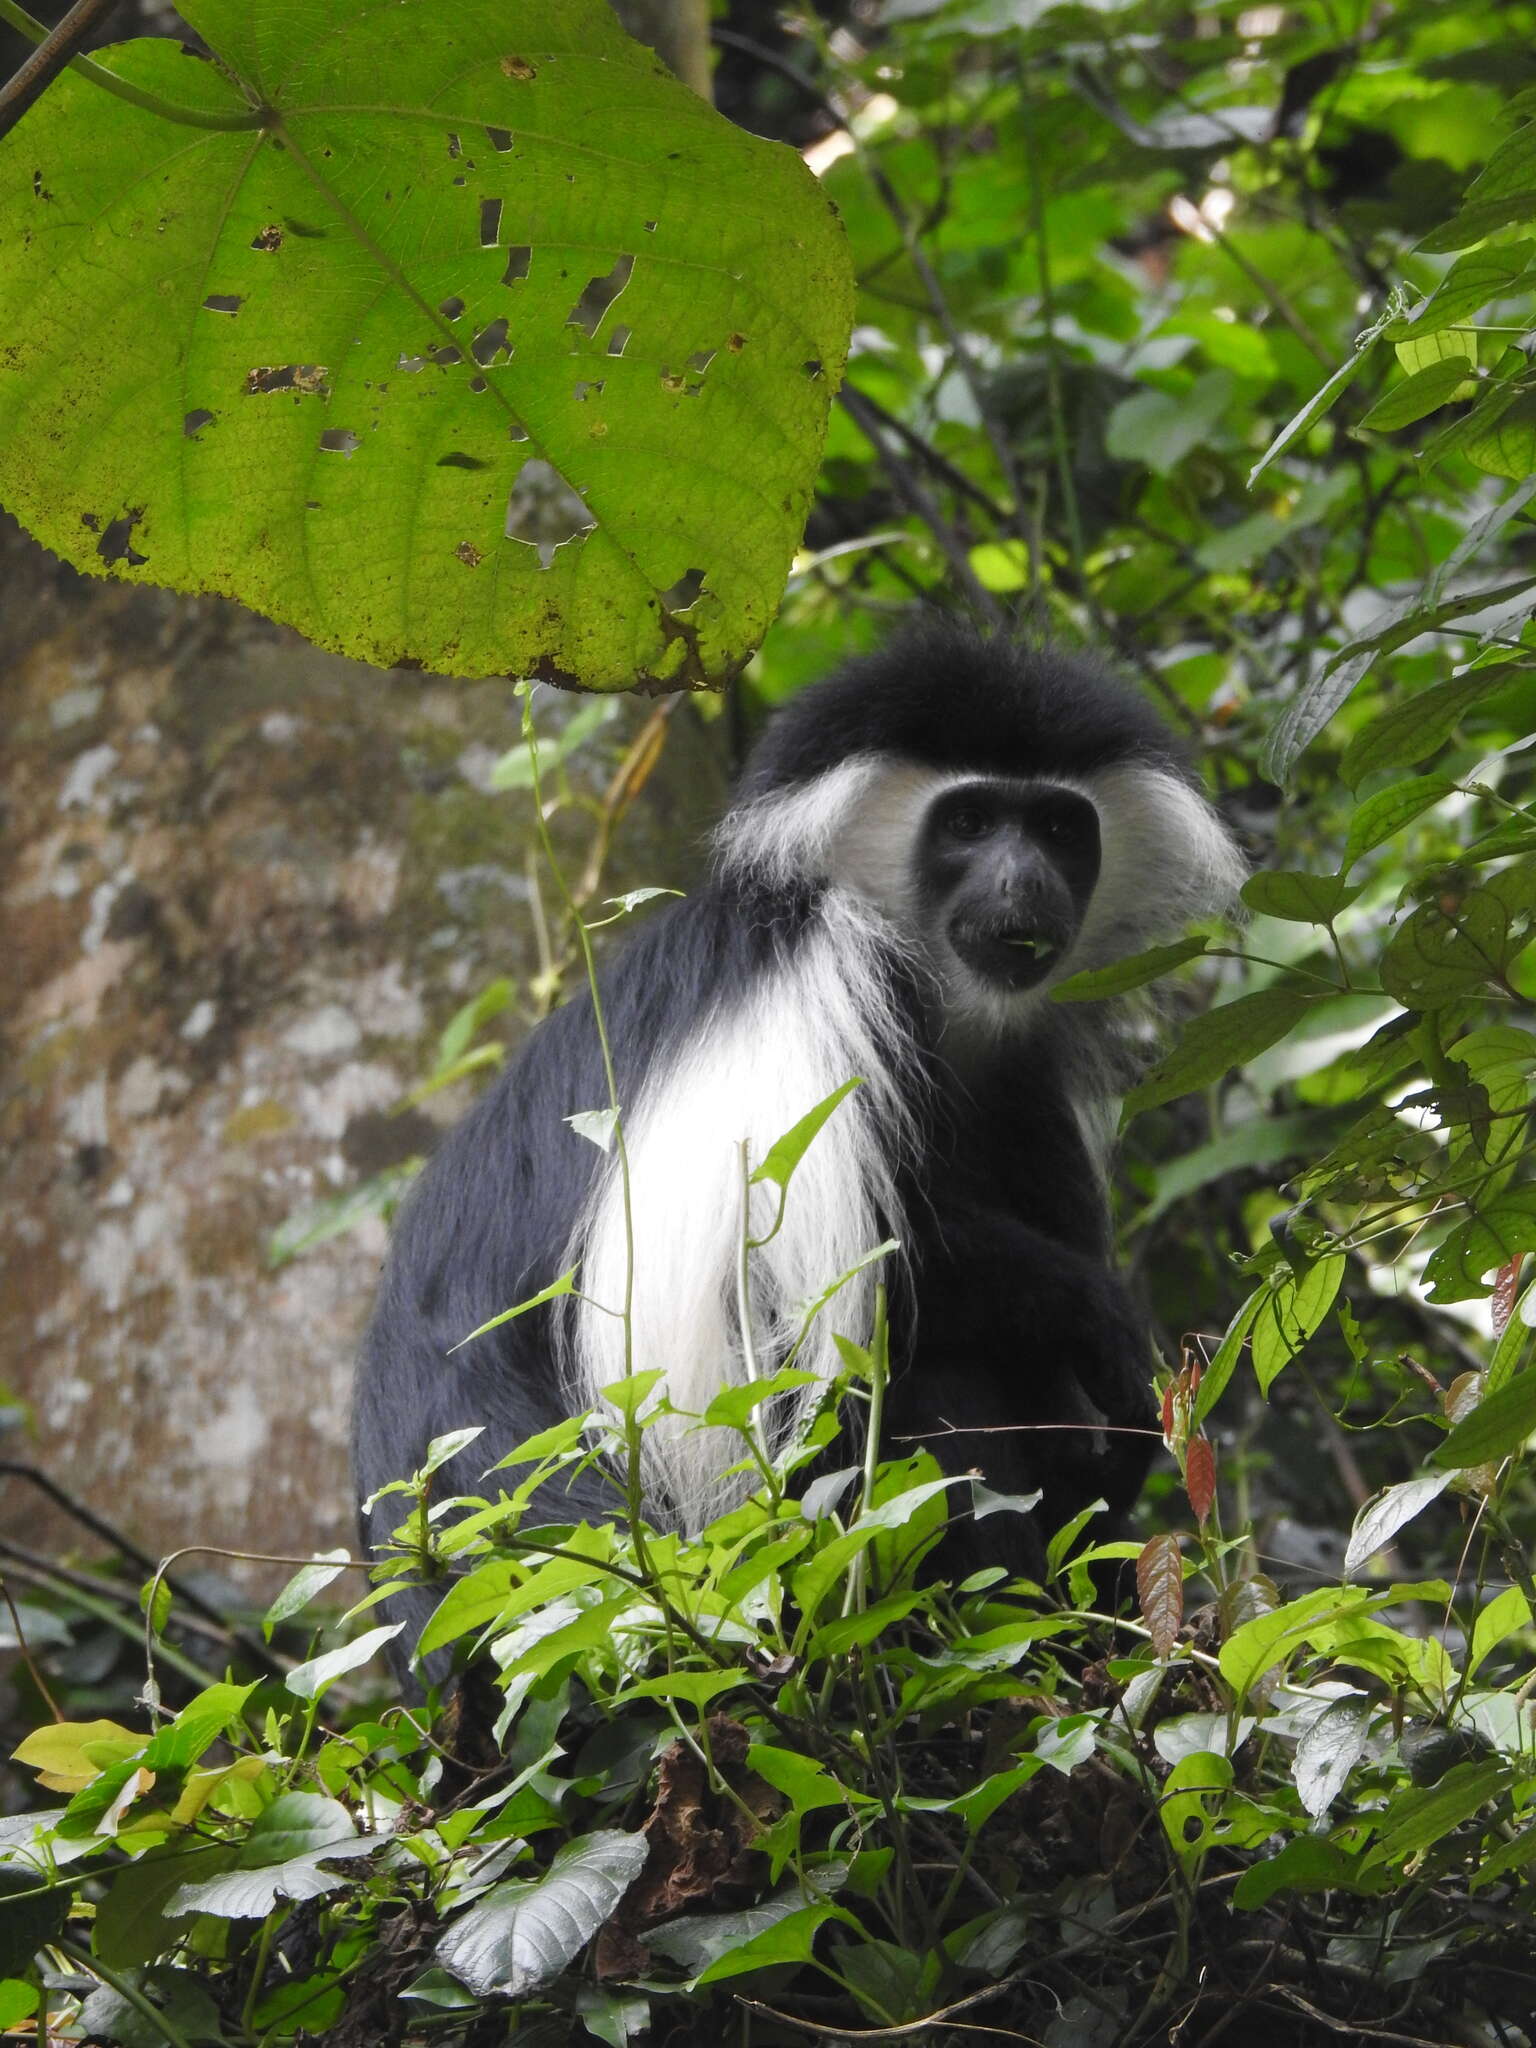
x=969, y=821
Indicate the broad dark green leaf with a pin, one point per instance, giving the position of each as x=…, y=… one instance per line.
x=1498, y=1425
x=1420, y=725
x=1099, y=982
x=1311, y=709
x=1384, y=815
x=1310, y=1863
x=1424, y=392
x=782, y=1929
x=1447, y=951
x=280, y=1858
x=132, y=1925
x=1470, y=283
x=1299, y=898
x=32, y=1914
x=1461, y=1268
x=1214, y=1044
x=1507, y=445
x=1415, y=1820
x=1291, y=1314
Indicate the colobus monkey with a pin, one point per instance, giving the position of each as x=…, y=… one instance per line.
x=918, y=849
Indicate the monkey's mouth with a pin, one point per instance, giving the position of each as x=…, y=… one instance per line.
x=1035, y=944
x=1011, y=956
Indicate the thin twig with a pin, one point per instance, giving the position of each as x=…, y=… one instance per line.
x=965, y=486
x=34, y=1569
x=1356, y=2029
x=26, y=1653
x=27, y=84
x=107, y=1533
x=892, y=2033
x=910, y=486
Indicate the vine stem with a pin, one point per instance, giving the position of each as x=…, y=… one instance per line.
x=59, y=50
x=584, y=940
x=158, y=2022
x=634, y=1499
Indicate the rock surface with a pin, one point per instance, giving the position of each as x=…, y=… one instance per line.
x=243, y=885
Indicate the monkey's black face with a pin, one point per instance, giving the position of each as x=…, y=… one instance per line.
x=1006, y=871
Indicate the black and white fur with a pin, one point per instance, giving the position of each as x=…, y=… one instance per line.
x=979, y=1139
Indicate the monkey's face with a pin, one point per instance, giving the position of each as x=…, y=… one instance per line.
x=1005, y=874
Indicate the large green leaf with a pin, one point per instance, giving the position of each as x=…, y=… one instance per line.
x=490, y=349
x=525, y=1931
x=1217, y=1042
x=280, y=1858
x=1448, y=950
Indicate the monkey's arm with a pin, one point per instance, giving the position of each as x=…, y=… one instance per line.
x=1024, y=1336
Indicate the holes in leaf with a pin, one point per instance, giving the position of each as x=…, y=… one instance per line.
x=518, y=260
x=516, y=431
x=519, y=68
x=490, y=343
x=598, y=295
x=222, y=302
x=477, y=384
x=618, y=341
x=271, y=237
x=195, y=422
x=305, y=379
x=701, y=359
x=490, y=223
x=685, y=592
x=340, y=441
x=543, y=511
x=411, y=363
x=455, y=147
x=459, y=460
x=650, y=227
x=499, y=138
x=447, y=356
x=735, y=343
x=469, y=554
x=584, y=391
x=451, y=309
x=116, y=543
x=812, y=368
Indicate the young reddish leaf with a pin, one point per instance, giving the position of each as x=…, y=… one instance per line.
x=1244, y=1600
x=1160, y=1591
x=1200, y=1477
x=1506, y=1287
x=1462, y=1396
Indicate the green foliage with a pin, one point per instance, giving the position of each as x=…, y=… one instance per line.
x=1162, y=341
x=393, y=341
x=776, y=1766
